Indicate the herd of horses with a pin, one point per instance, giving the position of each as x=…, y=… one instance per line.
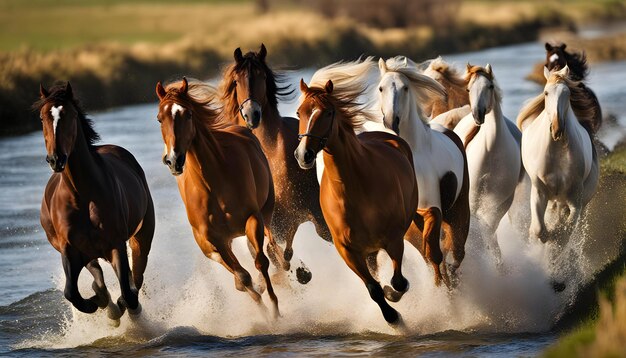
x=407, y=151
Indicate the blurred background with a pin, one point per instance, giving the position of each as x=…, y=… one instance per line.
x=114, y=51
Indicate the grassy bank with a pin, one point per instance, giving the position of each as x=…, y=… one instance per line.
x=114, y=51
x=596, y=322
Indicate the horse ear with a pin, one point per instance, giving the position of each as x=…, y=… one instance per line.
x=564, y=72
x=469, y=67
x=262, y=52
x=160, y=91
x=303, y=87
x=184, y=86
x=329, y=87
x=68, y=90
x=489, y=70
x=43, y=92
x=546, y=72
x=406, y=61
x=238, y=55
x=548, y=47
x=563, y=46
x=382, y=65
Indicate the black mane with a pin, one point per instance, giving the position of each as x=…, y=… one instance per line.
x=576, y=61
x=58, y=94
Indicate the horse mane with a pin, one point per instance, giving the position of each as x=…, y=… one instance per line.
x=200, y=99
x=451, y=79
x=424, y=88
x=276, y=83
x=576, y=61
x=58, y=93
x=351, y=80
x=584, y=106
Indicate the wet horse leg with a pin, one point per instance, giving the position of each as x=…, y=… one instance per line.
x=140, y=247
x=98, y=285
x=538, y=204
x=255, y=233
x=129, y=298
x=399, y=284
x=432, y=233
x=72, y=265
x=284, y=227
x=357, y=263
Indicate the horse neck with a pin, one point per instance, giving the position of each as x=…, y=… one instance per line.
x=84, y=171
x=343, y=155
x=494, y=120
x=205, y=155
x=270, y=125
x=415, y=131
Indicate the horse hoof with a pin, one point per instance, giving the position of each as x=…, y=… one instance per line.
x=391, y=294
x=114, y=323
x=114, y=313
x=102, y=297
x=134, y=313
x=392, y=317
x=288, y=254
x=303, y=275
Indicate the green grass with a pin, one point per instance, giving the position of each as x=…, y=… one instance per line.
x=616, y=161
x=570, y=345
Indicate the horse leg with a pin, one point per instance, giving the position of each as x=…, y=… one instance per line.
x=358, y=265
x=284, y=228
x=140, y=245
x=129, y=299
x=399, y=284
x=414, y=235
x=255, y=233
x=72, y=265
x=98, y=285
x=317, y=217
x=275, y=251
x=432, y=233
x=538, y=204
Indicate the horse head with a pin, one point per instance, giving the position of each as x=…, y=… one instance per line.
x=556, y=57
x=317, y=122
x=395, y=101
x=481, y=89
x=249, y=81
x=177, y=128
x=60, y=120
x=557, y=100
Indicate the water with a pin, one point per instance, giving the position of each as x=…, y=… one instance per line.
x=192, y=308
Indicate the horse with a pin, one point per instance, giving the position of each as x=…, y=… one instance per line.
x=556, y=59
x=366, y=213
x=95, y=201
x=493, y=154
x=250, y=92
x=457, y=98
x=223, y=177
x=438, y=158
x=558, y=153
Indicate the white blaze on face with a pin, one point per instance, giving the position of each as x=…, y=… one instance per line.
x=56, y=115
x=308, y=125
x=177, y=108
x=554, y=58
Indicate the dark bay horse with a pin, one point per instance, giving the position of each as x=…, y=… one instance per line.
x=223, y=177
x=96, y=200
x=368, y=192
x=556, y=59
x=250, y=92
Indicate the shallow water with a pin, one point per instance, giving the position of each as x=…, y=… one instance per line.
x=192, y=308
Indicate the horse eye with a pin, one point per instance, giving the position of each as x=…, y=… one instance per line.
x=467, y=89
x=545, y=93
x=297, y=114
x=380, y=89
x=406, y=89
x=234, y=82
x=491, y=87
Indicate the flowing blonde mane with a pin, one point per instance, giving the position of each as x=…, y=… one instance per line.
x=200, y=97
x=452, y=80
x=424, y=88
x=583, y=106
x=352, y=82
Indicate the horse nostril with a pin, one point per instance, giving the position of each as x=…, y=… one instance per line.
x=309, y=155
x=257, y=116
x=167, y=162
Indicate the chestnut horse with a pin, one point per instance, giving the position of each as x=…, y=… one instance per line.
x=96, y=200
x=223, y=177
x=250, y=92
x=368, y=192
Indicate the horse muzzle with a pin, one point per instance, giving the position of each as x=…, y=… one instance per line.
x=252, y=122
x=479, y=116
x=306, y=158
x=57, y=162
x=175, y=163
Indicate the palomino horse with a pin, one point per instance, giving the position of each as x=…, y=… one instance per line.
x=557, y=58
x=558, y=154
x=223, y=177
x=250, y=92
x=457, y=99
x=96, y=200
x=493, y=154
x=438, y=158
x=365, y=212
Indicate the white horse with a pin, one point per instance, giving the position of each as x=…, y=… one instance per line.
x=493, y=154
x=438, y=157
x=559, y=155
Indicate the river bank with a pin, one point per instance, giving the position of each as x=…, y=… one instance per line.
x=105, y=74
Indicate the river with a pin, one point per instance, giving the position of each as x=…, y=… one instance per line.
x=190, y=305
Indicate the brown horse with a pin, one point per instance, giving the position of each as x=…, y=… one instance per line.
x=454, y=84
x=556, y=59
x=250, y=92
x=223, y=177
x=96, y=199
x=368, y=192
